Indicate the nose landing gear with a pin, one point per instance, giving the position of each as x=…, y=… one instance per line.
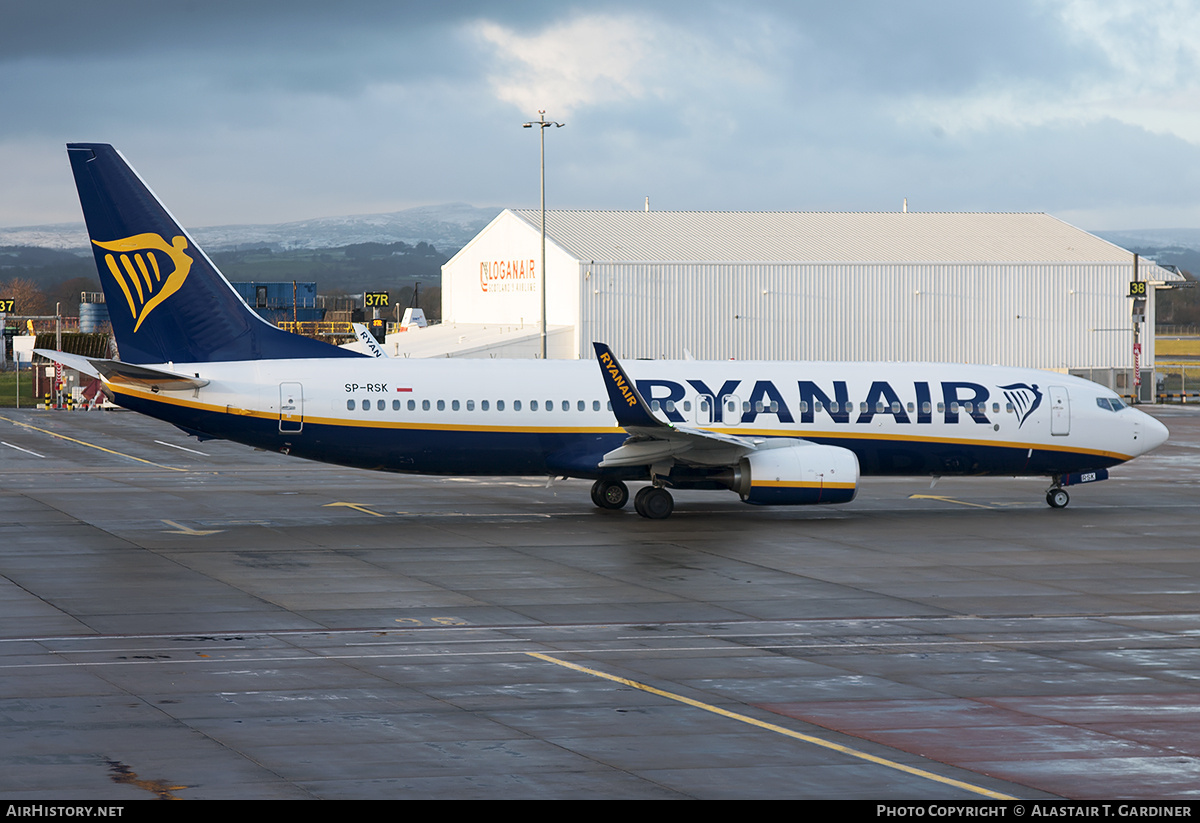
x=1057, y=498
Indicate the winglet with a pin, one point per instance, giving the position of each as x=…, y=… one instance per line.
x=628, y=405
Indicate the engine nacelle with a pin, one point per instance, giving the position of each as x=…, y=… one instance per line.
x=796, y=475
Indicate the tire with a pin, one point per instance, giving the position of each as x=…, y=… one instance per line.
x=654, y=504
x=1057, y=499
x=610, y=494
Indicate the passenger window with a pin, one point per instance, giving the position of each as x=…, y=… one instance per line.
x=395, y=405
x=580, y=406
x=365, y=405
x=412, y=404
x=483, y=405
x=441, y=405
x=517, y=405
x=566, y=405
x=470, y=405
x=532, y=405
x=380, y=405
x=424, y=405
x=454, y=405
x=350, y=405
x=654, y=405
x=595, y=405
x=500, y=405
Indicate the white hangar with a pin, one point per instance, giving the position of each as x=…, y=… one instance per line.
x=1016, y=289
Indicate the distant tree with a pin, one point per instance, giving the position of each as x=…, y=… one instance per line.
x=30, y=299
x=66, y=294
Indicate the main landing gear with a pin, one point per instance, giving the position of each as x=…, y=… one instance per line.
x=610, y=494
x=652, y=502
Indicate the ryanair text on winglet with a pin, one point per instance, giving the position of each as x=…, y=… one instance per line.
x=618, y=379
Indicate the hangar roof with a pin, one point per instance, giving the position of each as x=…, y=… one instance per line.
x=851, y=237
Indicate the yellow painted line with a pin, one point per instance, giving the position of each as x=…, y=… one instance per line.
x=355, y=506
x=816, y=741
x=946, y=500
x=93, y=445
x=190, y=531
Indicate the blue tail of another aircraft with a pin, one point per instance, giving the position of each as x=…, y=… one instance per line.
x=166, y=300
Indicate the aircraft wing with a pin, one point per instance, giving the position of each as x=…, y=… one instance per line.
x=115, y=371
x=652, y=439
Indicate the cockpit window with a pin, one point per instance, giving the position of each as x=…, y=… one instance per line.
x=1110, y=403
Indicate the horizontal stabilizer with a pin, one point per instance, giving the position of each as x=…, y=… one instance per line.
x=116, y=371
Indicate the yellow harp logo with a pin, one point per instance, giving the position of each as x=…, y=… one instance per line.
x=139, y=269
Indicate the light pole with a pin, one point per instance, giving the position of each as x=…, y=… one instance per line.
x=542, y=123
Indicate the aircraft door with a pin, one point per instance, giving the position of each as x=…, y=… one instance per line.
x=705, y=413
x=291, y=408
x=1060, y=410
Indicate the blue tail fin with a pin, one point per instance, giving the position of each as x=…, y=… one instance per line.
x=166, y=300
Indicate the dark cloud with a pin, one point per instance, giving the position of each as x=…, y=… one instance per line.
x=268, y=112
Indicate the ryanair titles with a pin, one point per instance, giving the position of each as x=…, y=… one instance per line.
x=497, y=276
x=947, y=401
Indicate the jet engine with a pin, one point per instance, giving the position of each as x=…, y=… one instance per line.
x=796, y=474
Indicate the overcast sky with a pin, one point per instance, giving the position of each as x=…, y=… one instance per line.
x=243, y=112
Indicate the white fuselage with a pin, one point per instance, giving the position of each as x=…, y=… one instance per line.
x=447, y=416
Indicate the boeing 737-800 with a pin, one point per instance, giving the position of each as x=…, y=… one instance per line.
x=776, y=433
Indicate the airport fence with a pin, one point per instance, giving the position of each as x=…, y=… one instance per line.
x=1177, y=382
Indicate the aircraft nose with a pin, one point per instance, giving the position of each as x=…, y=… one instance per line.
x=1152, y=433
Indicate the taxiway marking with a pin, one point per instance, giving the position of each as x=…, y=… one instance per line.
x=946, y=500
x=191, y=531
x=181, y=448
x=807, y=738
x=91, y=445
x=18, y=448
x=356, y=506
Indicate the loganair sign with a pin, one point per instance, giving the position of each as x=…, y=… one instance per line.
x=498, y=276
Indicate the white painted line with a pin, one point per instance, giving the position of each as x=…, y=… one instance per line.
x=18, y=448
x=181, y=448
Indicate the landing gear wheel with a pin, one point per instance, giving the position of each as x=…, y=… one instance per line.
x=1057, y=499
x=654, y=503
x=610, y=494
